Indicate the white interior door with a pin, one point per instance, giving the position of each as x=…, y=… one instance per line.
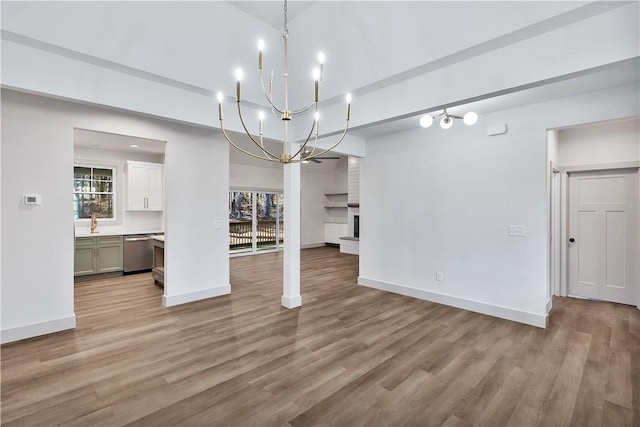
x=603, y=226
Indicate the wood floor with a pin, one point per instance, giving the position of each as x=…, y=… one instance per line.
x=351, y=356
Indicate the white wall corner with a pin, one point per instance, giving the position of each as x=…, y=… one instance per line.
x=533, y=319
x=37, y=329
x=171, y=300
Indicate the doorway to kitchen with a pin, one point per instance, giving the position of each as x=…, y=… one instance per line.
x=256, y=221
x=118, y=203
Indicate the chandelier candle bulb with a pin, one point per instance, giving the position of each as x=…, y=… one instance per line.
x=238, y=79
x=321, y=64
x=261, y=117
x=260, y=50
x=220, y=97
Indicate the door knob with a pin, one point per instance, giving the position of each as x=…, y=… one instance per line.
x=572, y=240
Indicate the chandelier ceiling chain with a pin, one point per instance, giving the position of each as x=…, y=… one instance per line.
x=286, y=29
x=286, y=115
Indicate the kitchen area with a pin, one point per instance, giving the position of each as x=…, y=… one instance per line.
x=118, y=205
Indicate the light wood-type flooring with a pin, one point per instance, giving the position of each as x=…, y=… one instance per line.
x=351, y=356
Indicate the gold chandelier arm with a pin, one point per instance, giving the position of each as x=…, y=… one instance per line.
x=304, y=144
x=226, y=136
x=265, y=151
x=302, y=110
x=346, y=128
x=267, y=95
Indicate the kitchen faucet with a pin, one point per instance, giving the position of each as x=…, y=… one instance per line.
x=94, y=223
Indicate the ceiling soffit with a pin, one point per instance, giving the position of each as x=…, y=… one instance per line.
x=370, y=46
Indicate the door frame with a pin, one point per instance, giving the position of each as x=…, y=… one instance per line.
x=560, y=234
x=254, y=222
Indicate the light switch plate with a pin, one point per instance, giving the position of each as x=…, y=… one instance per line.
x=517, y=230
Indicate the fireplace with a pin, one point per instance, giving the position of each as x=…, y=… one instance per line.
x=356, y=226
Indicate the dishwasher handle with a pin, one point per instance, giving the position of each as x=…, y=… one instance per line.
x=136, y=239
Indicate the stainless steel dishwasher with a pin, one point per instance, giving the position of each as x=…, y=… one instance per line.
x=138, y=253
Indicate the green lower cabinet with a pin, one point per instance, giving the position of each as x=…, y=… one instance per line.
x=84, y=260
x=95, y=255
x=109, y=254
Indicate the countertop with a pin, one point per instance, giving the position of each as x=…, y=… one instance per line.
x=99, y=233
x=160, y=238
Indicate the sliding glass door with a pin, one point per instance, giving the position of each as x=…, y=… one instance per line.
x=255, y=221
x=240, y=221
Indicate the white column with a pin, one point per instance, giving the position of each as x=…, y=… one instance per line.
x=291, y=272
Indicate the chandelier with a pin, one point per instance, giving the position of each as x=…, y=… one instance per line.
x=304, y=154
x=446, y=119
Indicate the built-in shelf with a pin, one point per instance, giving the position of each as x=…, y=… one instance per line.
x=336, y=201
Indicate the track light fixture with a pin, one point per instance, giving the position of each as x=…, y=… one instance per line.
x=446, y=119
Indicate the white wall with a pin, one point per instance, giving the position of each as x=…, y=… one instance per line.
x=435, y=200
x=552, y=146
x=553, y=195
x=126, y=221
x=340, y=177
x=197, y=215
x=37, y=242
x=600, y=143
x=312, y=208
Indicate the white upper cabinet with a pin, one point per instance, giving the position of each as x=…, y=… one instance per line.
x=145, y=186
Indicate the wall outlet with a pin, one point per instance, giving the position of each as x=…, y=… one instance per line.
x=439, y=276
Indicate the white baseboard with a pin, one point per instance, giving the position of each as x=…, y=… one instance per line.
x=478, y=307
x=312, y=245
x=171, y=300
x=291, y=302
x=37, y=329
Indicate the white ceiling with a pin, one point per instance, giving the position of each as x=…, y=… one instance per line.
x=419, y=47
x=109, y=141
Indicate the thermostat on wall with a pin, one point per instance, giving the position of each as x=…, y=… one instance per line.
x=31, y=199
